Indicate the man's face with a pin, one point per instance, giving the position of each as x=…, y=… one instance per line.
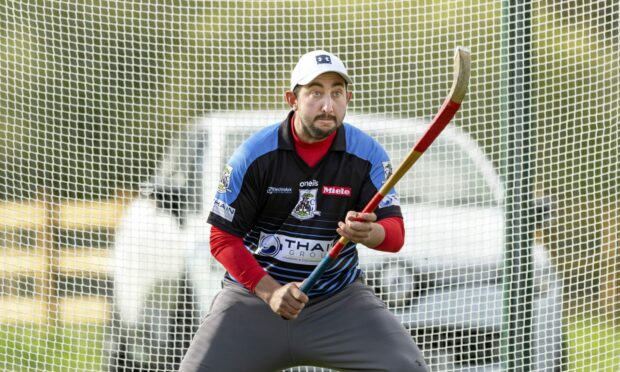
x=320, y=107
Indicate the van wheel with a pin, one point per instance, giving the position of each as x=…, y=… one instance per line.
x=398, y=285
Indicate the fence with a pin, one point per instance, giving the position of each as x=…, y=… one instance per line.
x=51, y=252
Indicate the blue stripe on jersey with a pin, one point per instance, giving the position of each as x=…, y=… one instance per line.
x=331, y=286
x=365, y=147
x=351, y=276
x=262, y=142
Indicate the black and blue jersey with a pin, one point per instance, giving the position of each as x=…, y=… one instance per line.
x=287, y=212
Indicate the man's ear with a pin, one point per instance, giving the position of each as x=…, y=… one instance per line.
x=291, y=99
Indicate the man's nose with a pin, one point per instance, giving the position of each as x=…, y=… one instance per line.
x=328, y=104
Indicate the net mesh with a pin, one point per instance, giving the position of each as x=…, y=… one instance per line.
x=117, y=117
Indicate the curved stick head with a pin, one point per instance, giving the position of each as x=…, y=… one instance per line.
x=462, y=66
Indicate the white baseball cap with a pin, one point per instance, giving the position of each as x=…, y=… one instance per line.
x=315, y=63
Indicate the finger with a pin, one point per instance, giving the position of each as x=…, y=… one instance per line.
x=347, y=229
x=291, y=311
x=364, y=217
x=298, y=294
x=300, y=297
x=354, y=231
x=355, y=216
x=287, y=315
x=292, y=306
x=359, y=227
x=290, y=316
x=283, y=305
x=292, y=303
x=342, y=230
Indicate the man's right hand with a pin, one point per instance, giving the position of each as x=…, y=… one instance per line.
x=285, y=300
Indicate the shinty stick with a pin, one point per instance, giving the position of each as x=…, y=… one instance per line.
x=452, y=103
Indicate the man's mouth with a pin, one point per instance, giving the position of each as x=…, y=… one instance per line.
x=325, y=118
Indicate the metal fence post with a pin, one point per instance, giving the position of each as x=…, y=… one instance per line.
x=517, y=173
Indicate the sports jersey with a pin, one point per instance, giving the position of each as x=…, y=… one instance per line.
x=287, y=212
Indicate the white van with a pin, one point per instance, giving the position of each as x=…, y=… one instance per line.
x=445, y=285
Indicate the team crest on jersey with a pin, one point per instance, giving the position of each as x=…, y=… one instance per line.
x=222, y=187
x=306, y=206
x=387, y=170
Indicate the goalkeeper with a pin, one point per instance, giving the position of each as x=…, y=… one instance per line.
x=284, y=198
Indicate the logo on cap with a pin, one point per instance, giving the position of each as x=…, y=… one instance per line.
x=322, y=59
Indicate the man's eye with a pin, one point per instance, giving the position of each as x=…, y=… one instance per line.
x=316, y=93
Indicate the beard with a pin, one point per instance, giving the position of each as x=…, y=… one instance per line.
x=317, y=133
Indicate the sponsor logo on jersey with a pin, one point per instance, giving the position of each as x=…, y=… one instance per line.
x=223, y=210
x=312, y=183
x=269, y=245
x=293, y=250
x=387, y=170
x=222, y=187
x=336, y=190
x=389, y=200
x=279, y=190
x=306, y=206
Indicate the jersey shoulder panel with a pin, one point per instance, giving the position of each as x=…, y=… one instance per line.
x=363, y=146
x=260, y=143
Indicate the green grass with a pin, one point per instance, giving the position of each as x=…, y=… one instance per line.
x=48, y=348
x=592, y=346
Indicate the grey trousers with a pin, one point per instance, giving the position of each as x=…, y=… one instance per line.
x=349, y=331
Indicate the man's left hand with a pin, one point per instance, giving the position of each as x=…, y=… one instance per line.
x=361, y=228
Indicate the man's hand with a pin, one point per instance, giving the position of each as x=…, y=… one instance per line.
x=361, y=228
x=285, y=300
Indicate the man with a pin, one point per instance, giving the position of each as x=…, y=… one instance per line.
x=286, y=196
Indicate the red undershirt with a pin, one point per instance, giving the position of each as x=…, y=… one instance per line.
x=229, y=250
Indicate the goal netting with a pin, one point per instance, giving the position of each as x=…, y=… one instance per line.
x=117, y=119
